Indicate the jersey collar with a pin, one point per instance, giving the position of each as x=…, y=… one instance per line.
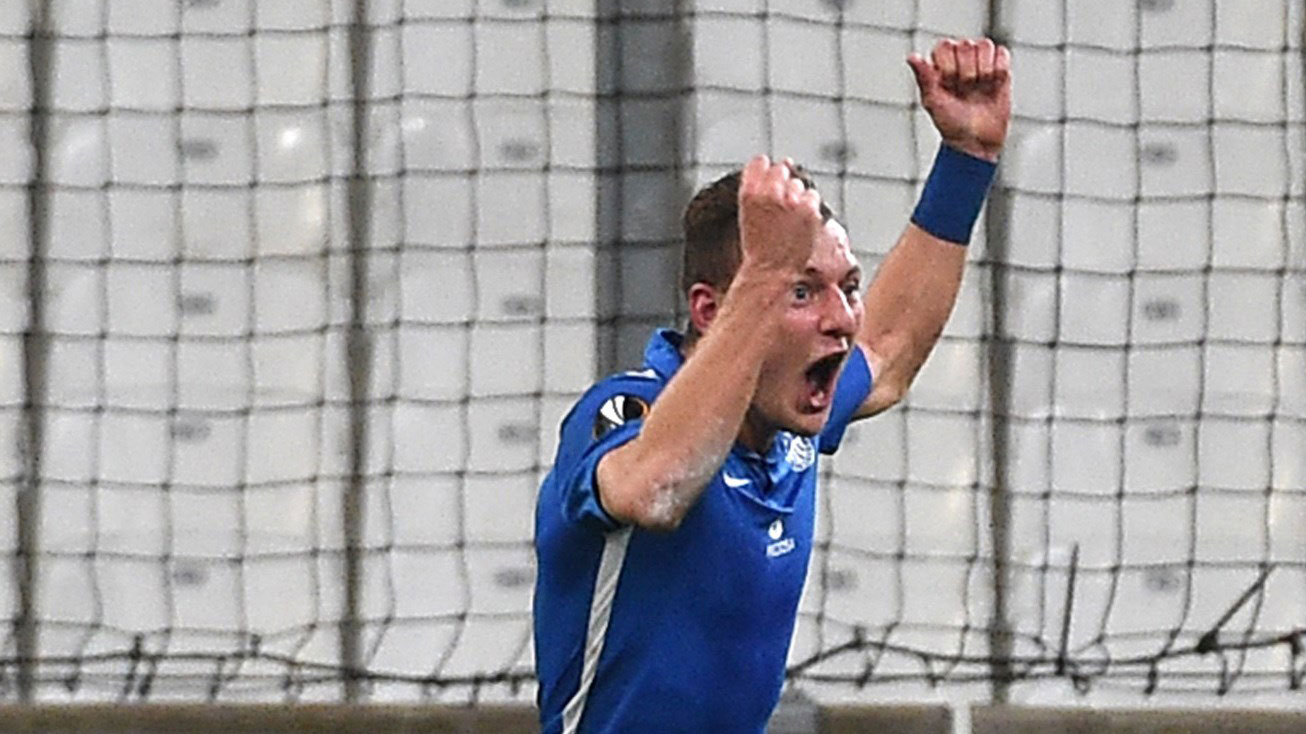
x=662, y=354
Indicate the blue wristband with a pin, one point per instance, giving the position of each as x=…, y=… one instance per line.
x=953, y=195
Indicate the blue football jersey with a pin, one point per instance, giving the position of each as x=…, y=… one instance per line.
x=687, y=631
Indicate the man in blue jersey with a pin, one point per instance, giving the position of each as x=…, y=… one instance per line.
x=674, y=532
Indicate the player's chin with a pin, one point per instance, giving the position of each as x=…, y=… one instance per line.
x=808, y=420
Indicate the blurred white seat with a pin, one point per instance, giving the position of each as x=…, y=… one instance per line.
x=1178, y=24
x=78, y=154
x=216, y=223
x=283, y=445
x=450, y=224
x=433, y=362
x=1252, y=161
x=1254, y=30
x=1168, y=309
x=1032, y=158
x=1173, y=235
x=942, y=449
x=871, y=56
x=292, y=146
x=1097, y=236
x=510, y=208
x=144, y=223
x=217, y=72
x=1239, y=380
x=1043, y=85
x=76, y=305
x=1086, y=457
x=814, y=70
x=1111, y=23
x=1094, y=309
x=437, y=58
x=1292, y=381
x=229, y=17
x=144, y=150
x=511, y=133
x=142, y=300
x=1243, y=307
x=291, y=68
x=1249, y=233
x=502, y=433
x=290, y=297
x=950, y=379
x=806, y=130
x=509, y=58
x=1100, y=85
x=214, y=299
x=78, y=81
x=289, y=221
x=1087, y=145
x=142, y=17
x=1172, y=162
x=290, y=15
x=133, y=448
x=1031, y=306
x=504, y=359
x=1165, y=381
x=435, y=438
x=78, y=226
x=568, y=357
x=142, y=73
x=867, y=128
x=215, y=149
x=731, y=129
x=1175, y=85
x=499, y=509
x=875, y=213
x=1090, y=383
x=486, y=646
x=1160, y=456
x=207, y=450
x=1232, y=455
x=1033, y=21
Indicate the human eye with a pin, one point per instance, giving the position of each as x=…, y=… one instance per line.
x=802, y=292
x=852, y=289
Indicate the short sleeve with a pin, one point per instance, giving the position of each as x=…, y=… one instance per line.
x=579, y=484
x=849, y=394
x=606, y=418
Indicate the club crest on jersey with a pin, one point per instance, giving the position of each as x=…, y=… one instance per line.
x=780, y=546
x=617, y=411
x=801, y=454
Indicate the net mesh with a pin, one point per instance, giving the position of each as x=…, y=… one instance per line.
x=1127, y=410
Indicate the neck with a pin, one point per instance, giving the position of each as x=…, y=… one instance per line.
x=755, y=433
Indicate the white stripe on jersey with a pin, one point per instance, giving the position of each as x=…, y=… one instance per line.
x=605, y=590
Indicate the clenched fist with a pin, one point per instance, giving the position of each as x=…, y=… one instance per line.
x=966, y=88
x=779, y=216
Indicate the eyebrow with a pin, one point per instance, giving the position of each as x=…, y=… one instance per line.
x=854, y=271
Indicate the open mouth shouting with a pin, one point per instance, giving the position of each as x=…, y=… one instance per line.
x=821, y=376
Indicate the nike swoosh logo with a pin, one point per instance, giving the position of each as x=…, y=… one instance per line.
x=734, y=482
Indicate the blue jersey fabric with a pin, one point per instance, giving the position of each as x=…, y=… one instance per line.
x=685, y=631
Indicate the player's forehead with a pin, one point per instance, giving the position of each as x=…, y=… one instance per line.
x=832, y=254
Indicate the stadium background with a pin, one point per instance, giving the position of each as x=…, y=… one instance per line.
x=295, y=294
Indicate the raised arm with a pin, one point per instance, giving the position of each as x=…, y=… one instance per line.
x=966, y=88
x=656, y=478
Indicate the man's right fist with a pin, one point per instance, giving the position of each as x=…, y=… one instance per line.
x=779, y=217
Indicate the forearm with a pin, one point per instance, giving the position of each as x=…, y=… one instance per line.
x=654, y=480
x=907, y=306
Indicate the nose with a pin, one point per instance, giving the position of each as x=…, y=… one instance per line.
x=838, y=318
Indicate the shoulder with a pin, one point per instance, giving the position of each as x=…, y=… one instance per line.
x=612, y=402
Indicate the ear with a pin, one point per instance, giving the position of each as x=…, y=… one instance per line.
x=704, y=302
